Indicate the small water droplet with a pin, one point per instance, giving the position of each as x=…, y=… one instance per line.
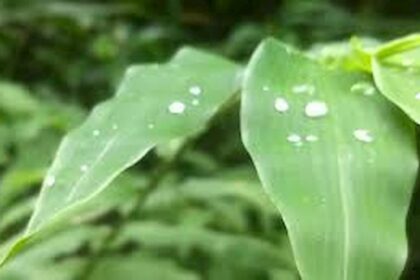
x=266, y=88
x=96, y=132
x=281, y=105
x=49, y=181
x=84, y=168
x=176, y=107
x=363, y=135
x=151, y=126
x=195, y=102
x=417, y=96
x=311, y=138
x=365, y=88
x=304, y=88
x=195, y=90
x=114, y=126
x=315, y=109
x=294, y=138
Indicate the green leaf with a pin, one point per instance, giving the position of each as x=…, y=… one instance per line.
x=140, y=267
x=147, y=110
x=343, y=180
x=400, y=83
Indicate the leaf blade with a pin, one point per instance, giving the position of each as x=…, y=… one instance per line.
x=326, y=189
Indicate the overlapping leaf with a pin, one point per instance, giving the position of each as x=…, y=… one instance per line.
x=155, y=104
x=338, y=160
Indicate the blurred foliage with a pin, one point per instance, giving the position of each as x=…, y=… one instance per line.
x=209, y=219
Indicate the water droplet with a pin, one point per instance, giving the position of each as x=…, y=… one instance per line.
x=311, y=138
x=294, y=138
x=365, y=88
x=304, y=88
x=151, y=126
x=96, y=132
x=417, y=96
x=114, y=126
x=281, y=105
x=266, y=88
x=49, y=181
x=195, y=102
x=363, y=135
x=195, y=90
x=84, y=168
x=176, y=107
x=315, y=109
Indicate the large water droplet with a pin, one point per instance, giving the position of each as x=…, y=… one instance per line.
x=176, y=107
x=49, y=181
x=363, y=135
x=315, y=109
x=281, y=105
x=195, y=90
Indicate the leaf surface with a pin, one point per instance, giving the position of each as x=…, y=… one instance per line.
x=342, y=180
x=399, y=83
x=154, y=104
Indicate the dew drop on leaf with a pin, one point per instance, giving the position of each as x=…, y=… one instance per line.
x=49, y=181
x=176, y=107
x=311, y=138
x=84, y=168
x=195, y=90
x=315, y=109
x=304, y=88
x=281, y=105
x=363, y=135
x=96, y=132
x=294, y=138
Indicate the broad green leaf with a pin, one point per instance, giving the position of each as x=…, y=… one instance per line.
x=154, y=104
x=340, y=170
x=399, y=83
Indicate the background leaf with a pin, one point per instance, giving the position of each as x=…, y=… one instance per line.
x=122, y=130
x=330, y=167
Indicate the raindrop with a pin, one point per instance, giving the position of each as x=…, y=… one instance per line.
x=96, y=132
x=151, y=126
x=266, y=88
x=49, y=181
x=363, y=87
x=281, y=105
x=195, y=102
x=315, y=109
x=195, y=90
x=84, y=168
x=417, y=96
x=114, y=126
x=176, y=107
x=304, y=88
x=294, y=138
x=311, y=138
x=363, y=135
